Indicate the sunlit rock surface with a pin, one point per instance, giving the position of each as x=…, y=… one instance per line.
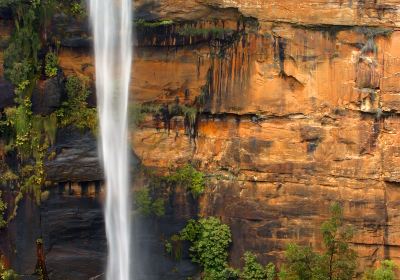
x=302, y=109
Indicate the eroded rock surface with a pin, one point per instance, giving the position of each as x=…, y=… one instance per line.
x=300, y=108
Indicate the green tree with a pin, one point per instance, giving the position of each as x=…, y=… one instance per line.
x=75, y=110
x=336, y=262
x=210, y=240
x=341, y=258
x=385, y=272
x=302, y=263
x=253, y=270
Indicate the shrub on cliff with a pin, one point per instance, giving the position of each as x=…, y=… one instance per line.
x=147, y=205
x=77, y=9
x=190, y=178
x=385, y=272
x=209, y=240
x=337, y=262
x=7, y=274
x=51, y=64
x=75, y=110
x=253, y=270
x=3, y=208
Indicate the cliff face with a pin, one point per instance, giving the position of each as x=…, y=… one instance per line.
x=299, y=108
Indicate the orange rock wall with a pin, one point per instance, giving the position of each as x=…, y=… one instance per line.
x=301, y=110
x=297, y=118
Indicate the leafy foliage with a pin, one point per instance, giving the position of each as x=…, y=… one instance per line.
x=210, y=240
x=6, y=273
x=385, y=272
x=190, y=114
x=77, y=9
x=75, y=110
x=138, y=112
x=337, y=262
x=174, y=246
x=190, y=178
x=148, y=205
x=143, y=23
x=51, y=64
x=136, y=115
x=252, y=270
x=301, y=263
x=342, y=259
x=226, y=274
x=30, y=17
x=27, y=134
x=3, y=208
x=9, y=274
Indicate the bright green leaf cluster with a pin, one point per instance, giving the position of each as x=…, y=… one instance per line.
x=51, y=64
x=77, y=9
x=7, y=274
x=190, y=178
x=148, y=205
x=3, y=208
x=253, y=270
x=210, y=240
x=385, y=272
x=152, y=24
x=75, y=110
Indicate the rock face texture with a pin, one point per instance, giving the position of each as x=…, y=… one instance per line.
x=297, y=106
x=300, y=110
x=76, y=158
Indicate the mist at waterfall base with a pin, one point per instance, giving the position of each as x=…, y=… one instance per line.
x=111, y=22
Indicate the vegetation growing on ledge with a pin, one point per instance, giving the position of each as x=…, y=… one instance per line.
x=25, y=133
x=253, y=270
x=7, y=274
x=25, y=136
x=333, y=30
x=338, y=261
x=75, y=110
x=77, y=9
x=138, y=112
x=164, y=113
x=3, y=208
x=173, y=246
x=51, y=64
x=148, y=205
x=386, y=271
x=210, y=240
x=190, y=178
x=151, y=24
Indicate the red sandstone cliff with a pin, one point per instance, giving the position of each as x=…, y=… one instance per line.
x=302, y=109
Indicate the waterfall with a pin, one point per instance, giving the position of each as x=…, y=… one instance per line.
x=112, y=28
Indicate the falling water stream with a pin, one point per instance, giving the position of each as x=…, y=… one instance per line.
x=112, y=28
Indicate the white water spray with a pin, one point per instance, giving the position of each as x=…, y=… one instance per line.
x=112, y=28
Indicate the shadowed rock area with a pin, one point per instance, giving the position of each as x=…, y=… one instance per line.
x=293, y=106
